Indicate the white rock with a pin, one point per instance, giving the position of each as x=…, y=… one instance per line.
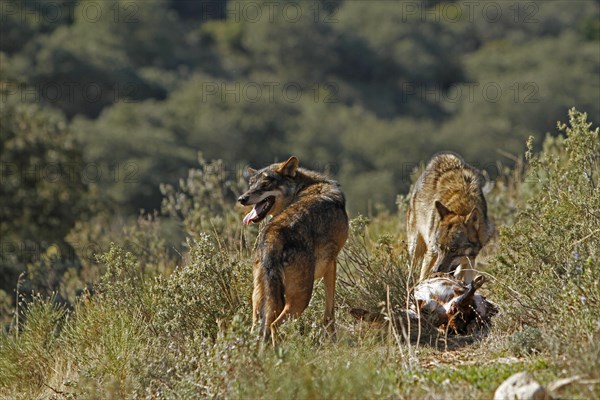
x=521, y=386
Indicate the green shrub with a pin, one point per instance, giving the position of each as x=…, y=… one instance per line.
x=107, y=343
x=527, y=341
x=201, y=367
x=549, y=259
x=370, y=267
x=205, y=201
x=208, y=289
x=27, y=355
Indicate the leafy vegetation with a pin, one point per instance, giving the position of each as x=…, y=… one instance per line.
x=145, y=332
x=125, y=127
x=557, y=237
x=369, y=88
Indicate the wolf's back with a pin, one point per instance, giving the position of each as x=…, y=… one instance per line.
x=450, y=180
x=318, y=214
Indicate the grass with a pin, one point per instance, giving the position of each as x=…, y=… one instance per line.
x=148, y=333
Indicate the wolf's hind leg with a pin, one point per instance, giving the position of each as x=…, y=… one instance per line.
x=298, y=283
x=329, y=281
x=258, y=298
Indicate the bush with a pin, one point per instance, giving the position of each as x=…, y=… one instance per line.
x=369, y=268
x=27, y=355
x=550, y=257
x=208, y=290
x=205, y=201
x=527, y=341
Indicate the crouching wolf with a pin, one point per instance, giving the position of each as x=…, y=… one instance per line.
x=447, y=223
x=300, y=243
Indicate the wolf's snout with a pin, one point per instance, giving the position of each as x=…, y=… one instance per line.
x=442, y=264
x=243, y=199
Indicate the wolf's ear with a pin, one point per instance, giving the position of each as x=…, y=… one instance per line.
x=473, y=218
x=289, y=167
x=442, y=210
x=248, y=172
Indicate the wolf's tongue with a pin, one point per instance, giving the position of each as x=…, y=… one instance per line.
x=249, y=218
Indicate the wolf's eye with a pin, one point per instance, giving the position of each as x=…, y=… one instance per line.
x=453, y=249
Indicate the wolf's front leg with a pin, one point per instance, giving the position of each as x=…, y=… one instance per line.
x=429, y=260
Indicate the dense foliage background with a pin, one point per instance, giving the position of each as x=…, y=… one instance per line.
x=112, y=107
x=366, y=89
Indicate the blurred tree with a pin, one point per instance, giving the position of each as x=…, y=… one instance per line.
x=42, y=194
x=356, y=88
x=203, y=10
x=64, y=70
x=23, y=20
x=522, y=22
x=379, y=157
x=519, y=90
x=109, y=54
x=133, y=151
x=407, y=52
x=237, y=121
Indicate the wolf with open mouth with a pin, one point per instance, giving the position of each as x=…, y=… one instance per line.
x=298, y=245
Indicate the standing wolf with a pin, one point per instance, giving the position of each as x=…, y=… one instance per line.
x=309, y=227
x=447, y=221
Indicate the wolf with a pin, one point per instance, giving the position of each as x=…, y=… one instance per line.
x=308, y=227
x=447, y=222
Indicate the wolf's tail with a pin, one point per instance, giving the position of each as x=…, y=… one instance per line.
x=274, y=290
